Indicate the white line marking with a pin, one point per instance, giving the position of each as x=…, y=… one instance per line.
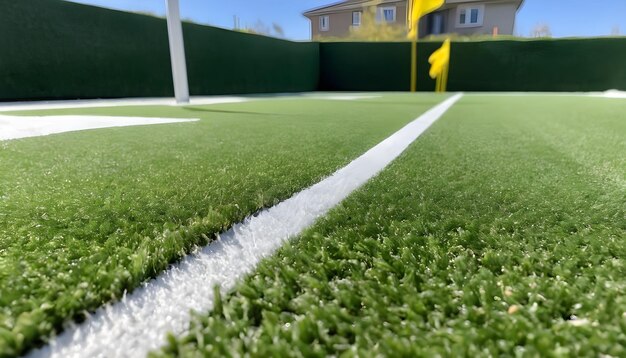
x=605, y=94
x=95, y=103
x=343, y=97
x=208, y=100
x=138, y=324
x=12, y=127
x=611, y=94
x=195, y=100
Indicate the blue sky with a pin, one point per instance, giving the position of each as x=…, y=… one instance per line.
x=565, y=17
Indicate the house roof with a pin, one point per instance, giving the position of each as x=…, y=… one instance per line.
x=347, y=5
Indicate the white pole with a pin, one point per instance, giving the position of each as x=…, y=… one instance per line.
x=177, y=51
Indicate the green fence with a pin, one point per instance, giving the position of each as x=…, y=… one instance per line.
x=373, y=66
x=538, y=65
x=55, y=49
x=226, y=62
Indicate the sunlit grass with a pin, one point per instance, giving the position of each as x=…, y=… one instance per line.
x=501, y=232
x=85, y=216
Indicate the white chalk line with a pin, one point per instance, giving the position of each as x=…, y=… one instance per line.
x=209, y=100
x=342, y=97
x=139, y=322
x=97, y=103
x=610, y=94
x=194, y=101
x=15, y=127
x=606, y=94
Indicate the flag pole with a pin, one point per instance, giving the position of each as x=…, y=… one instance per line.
x=177, y=52
x=414, y=59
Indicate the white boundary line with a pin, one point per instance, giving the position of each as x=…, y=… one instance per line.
x=95, y=103
x=197, y=100
x=138, y=324
x=206, y=100
x=15, y=127
x=610, y=94
x=606, y=94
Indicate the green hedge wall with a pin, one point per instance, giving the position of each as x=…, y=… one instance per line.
x=535, y=65
x=539, y=65
x=228, y=62
x=373, y=66
x=52, y=49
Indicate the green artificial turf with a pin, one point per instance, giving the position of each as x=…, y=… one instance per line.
x=86, y=215
x=500, y=232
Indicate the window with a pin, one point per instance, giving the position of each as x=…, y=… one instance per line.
x=470, y=16
x=473, y=16
x=324, y=23
x=386, y=14
x=356, y=18
x=436, y=24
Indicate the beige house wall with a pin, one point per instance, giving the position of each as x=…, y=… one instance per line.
x=338, y=26
x=341, y=22
x=498, y=14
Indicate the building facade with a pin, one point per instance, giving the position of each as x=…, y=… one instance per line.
x=463, y=17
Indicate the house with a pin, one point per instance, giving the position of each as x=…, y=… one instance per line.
x=463, y=17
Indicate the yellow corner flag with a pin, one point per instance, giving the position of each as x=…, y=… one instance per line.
x=439, y=65
x=416, y=9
